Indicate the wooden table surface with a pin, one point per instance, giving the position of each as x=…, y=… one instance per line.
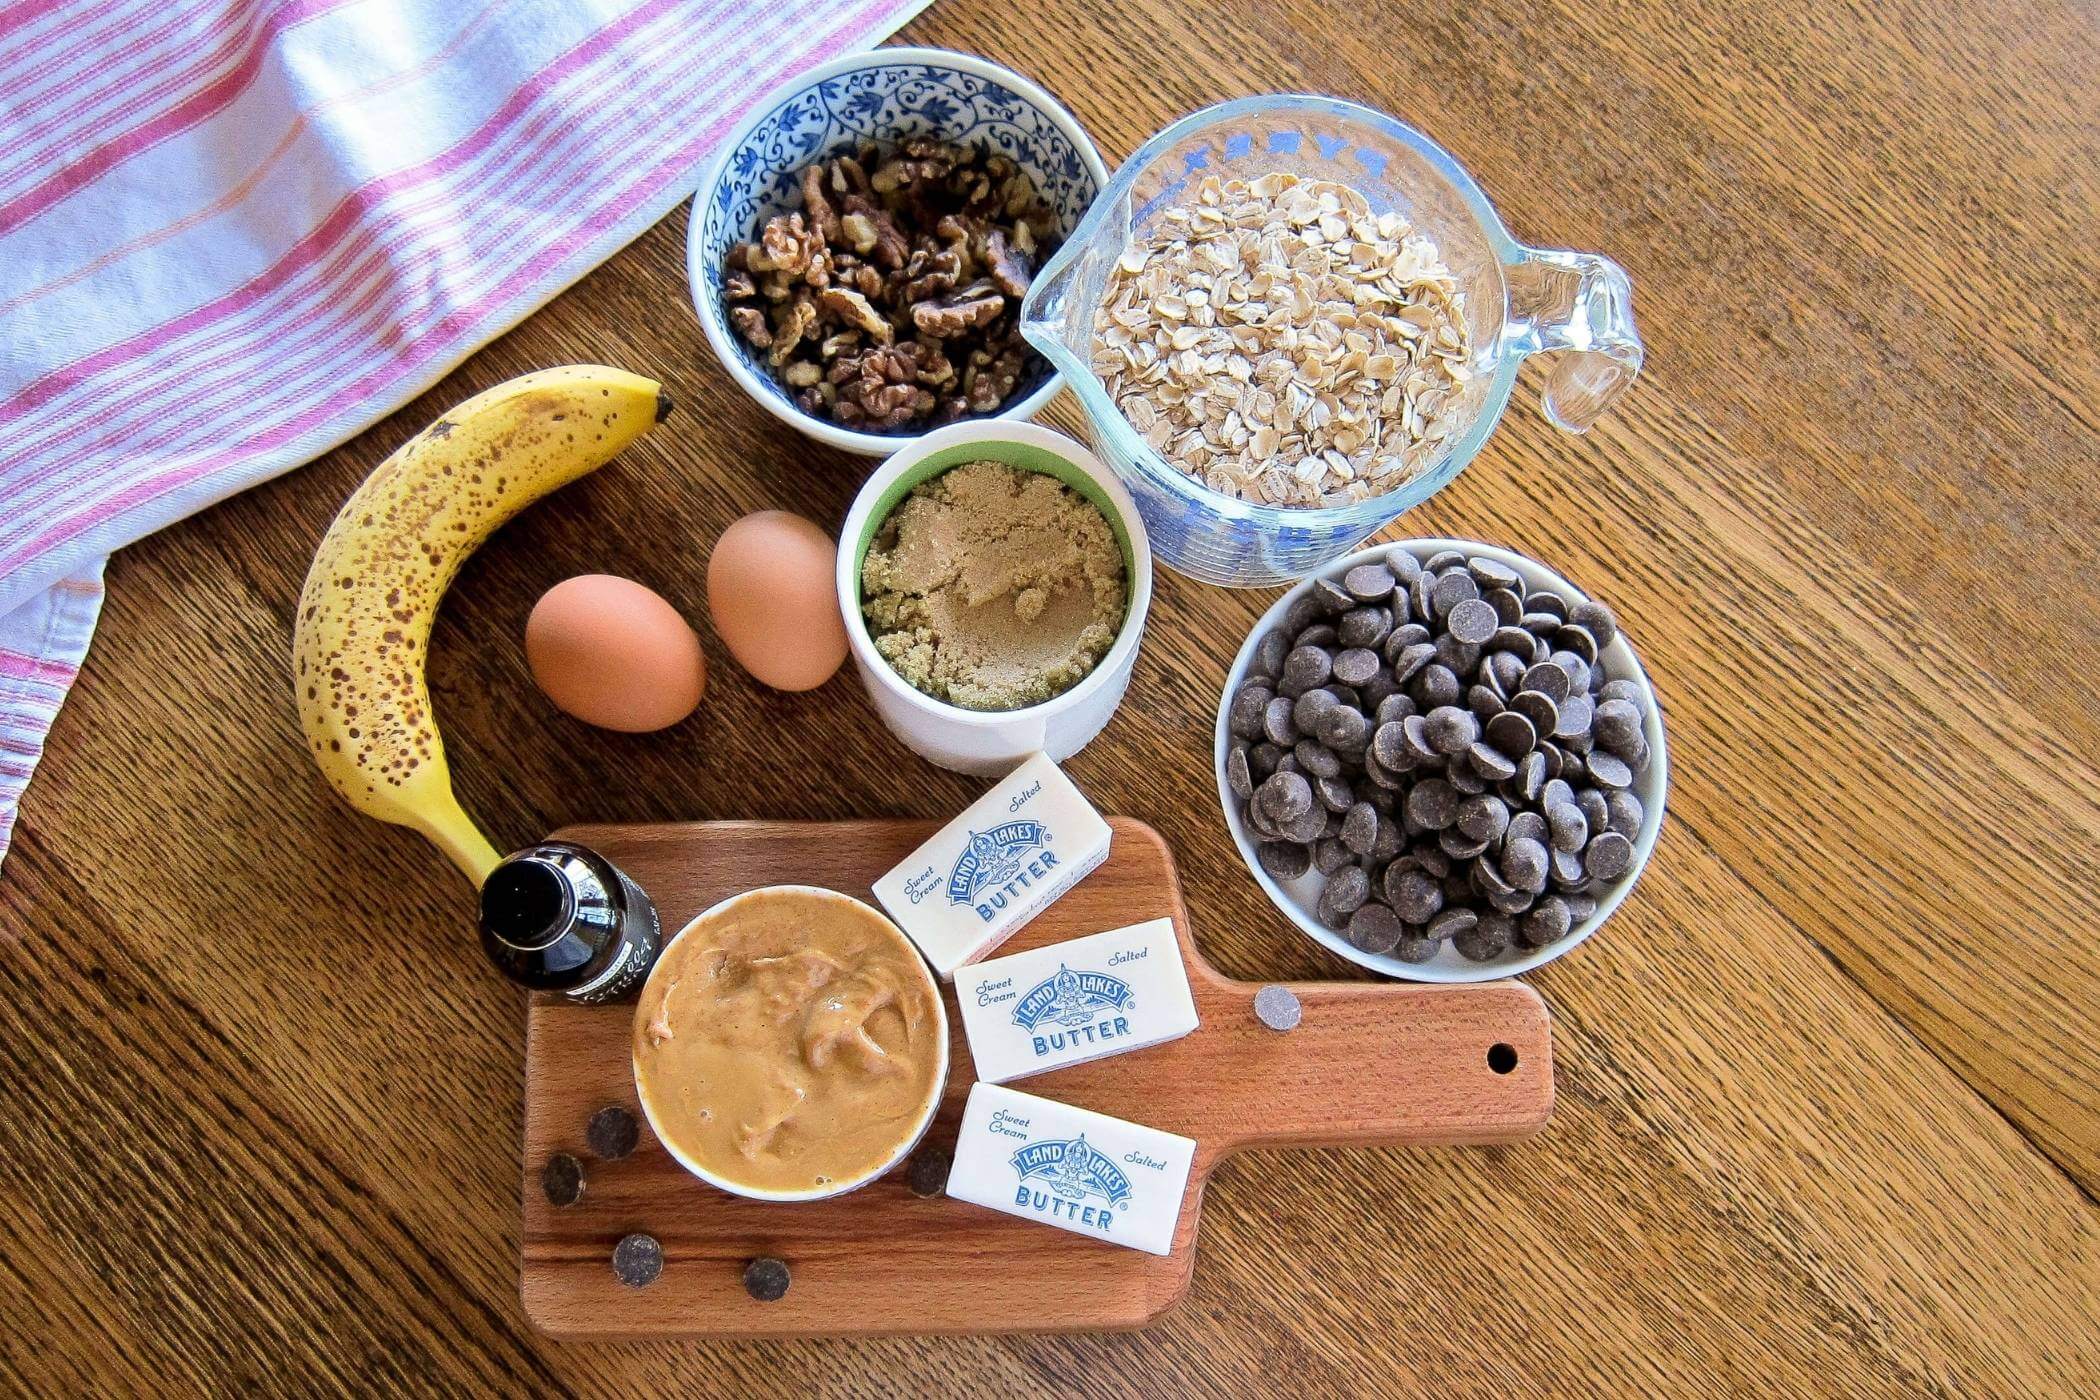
x=1829, y=1083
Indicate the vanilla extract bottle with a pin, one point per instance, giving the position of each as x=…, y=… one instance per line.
x=558, y=917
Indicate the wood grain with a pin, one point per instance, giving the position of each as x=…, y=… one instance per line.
x=1829, y=1084
x=1368, y=1066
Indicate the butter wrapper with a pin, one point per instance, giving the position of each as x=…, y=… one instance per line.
x=1072, y=1168
x=998, y=865
x=1071, y=1002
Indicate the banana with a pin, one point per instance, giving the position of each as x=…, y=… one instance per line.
x=363, y=627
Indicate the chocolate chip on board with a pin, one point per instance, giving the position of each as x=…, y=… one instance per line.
x=767, y=1280
x=612, y=1133
x=561, y=1180
x=927, y=1176
x=1278, y=1008
x=638, y=1260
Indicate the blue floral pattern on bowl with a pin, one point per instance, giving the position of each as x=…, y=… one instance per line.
x=761, y=177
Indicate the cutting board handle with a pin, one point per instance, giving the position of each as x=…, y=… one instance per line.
x=1382, y=1064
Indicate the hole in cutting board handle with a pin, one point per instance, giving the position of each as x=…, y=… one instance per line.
x=1502, y=1057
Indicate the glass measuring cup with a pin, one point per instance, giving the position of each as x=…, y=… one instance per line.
x=1519, y=301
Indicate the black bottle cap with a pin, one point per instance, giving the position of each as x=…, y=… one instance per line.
x=525, y=903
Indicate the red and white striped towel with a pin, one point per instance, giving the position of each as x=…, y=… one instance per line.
x=234, y=233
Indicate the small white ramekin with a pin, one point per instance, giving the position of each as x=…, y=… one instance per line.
x=904, y=1149
x=1298, y=899
x=990, y=742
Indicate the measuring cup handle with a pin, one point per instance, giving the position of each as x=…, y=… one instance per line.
x=1579, y=306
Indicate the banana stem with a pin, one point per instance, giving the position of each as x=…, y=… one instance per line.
x=452, y=831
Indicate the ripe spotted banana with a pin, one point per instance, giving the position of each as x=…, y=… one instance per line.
x=363, y=626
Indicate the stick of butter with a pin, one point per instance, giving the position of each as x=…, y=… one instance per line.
x=1076, y=1001
x=995, y=867
x=1071, y=1167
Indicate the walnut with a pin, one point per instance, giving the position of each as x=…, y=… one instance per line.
x=785, y=246
x=859, y=232
x=920, y=161
x=750, y=323
x=798, y=320
x=1009, y=272
x=945, y=317
x=931, y=274
x=935, y=370
x=822, y=216
x=852, y=307
x=891, y=247
x=939, y=241
x=988, y=386
x=850, y=176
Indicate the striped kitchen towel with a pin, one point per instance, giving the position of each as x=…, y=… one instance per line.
x=234, y=233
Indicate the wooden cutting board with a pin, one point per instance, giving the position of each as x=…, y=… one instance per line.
x=1370, y=1064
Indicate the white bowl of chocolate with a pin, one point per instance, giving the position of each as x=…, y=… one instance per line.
x=994, y=579
x=790, y=1045
x=1442, y=760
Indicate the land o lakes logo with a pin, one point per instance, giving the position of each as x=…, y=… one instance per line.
x=997, y=865
x=1066, y=1180
x=1086, y=1003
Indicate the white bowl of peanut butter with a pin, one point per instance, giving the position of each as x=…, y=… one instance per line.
x=790, y=1044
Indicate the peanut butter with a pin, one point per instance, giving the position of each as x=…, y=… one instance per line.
x=791, y=1041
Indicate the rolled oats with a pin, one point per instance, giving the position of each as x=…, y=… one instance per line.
x=1280, y=343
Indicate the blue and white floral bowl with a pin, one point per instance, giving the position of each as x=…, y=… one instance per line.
x=884, y=95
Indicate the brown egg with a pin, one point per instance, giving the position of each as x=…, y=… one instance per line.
x=614, y=654
x=772, y=589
